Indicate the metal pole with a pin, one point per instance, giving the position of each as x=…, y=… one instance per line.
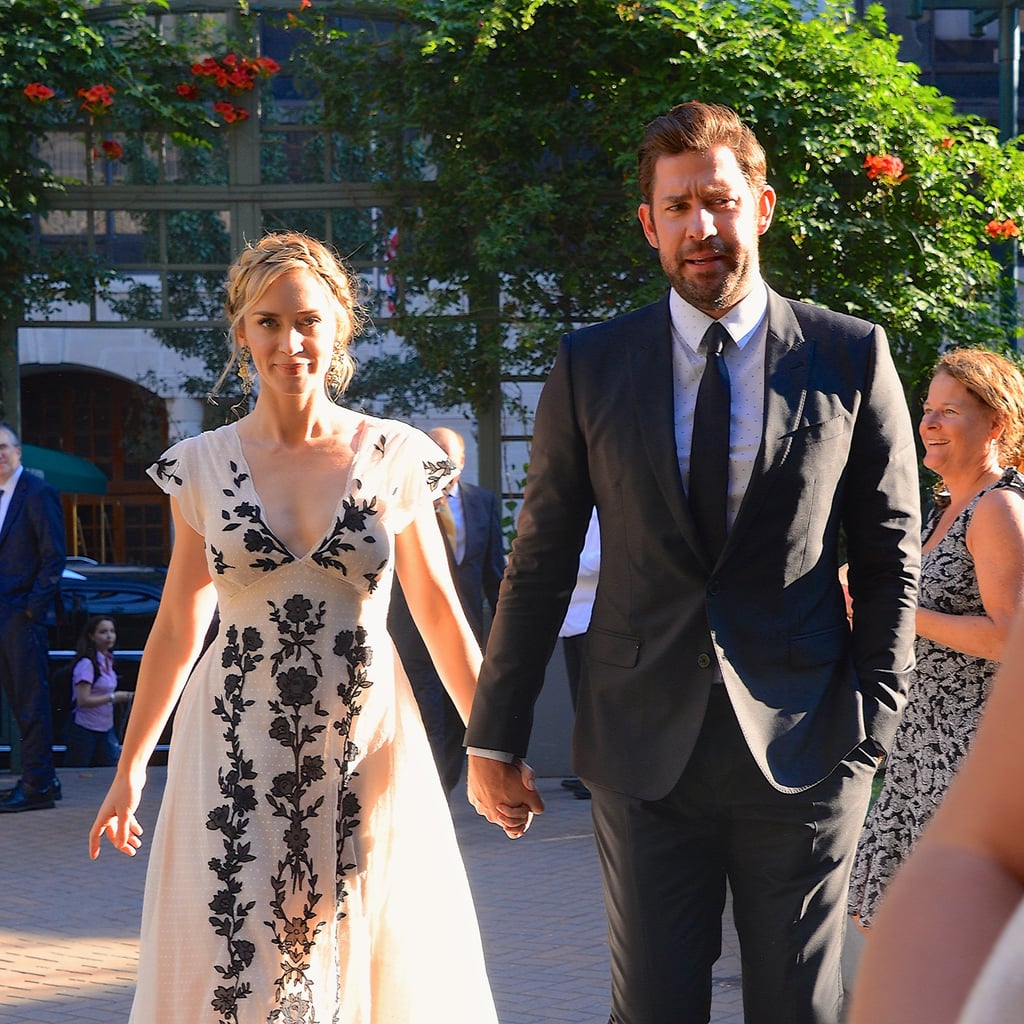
x=1009, y=69
x=1009, y=83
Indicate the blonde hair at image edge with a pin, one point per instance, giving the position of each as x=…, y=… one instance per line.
x=261, y=263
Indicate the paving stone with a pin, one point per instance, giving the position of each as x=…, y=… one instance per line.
x=69, y=926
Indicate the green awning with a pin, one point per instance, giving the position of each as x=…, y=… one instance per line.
x=69, y=473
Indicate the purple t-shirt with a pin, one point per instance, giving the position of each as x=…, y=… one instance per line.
x=101, y=718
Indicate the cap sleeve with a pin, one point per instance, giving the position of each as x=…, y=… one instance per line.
x=421, y=471
x=175, y=473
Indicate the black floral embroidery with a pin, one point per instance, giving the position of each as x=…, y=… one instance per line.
x=373, y=578
x=237, y=478
x=350, y=645
x=297, y=631
x=353, y=519
x=328, y=554
x=218, y=561
x=228, y=913
x=163, y=469
x=437, y=471
x=296, y=670
x=258, y=540
x=356, y=513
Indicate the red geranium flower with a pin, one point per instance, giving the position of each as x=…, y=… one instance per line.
x=112, y=150
x=188, y=92
x=97, y=99
x=1002, y=229
x=230, y=112
x=38, y=93
x=884, y=167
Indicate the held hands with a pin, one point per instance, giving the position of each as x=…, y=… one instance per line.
x=116, y=817
x=504, y=794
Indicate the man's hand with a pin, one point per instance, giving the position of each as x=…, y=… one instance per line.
x=504, y=794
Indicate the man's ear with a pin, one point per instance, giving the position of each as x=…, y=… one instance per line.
x=765, y=209
x=647, y=223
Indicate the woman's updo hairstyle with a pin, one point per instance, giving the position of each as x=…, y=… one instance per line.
x=262, y=262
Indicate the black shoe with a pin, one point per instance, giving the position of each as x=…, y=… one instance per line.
x=25, y=798
x=581, y=792
x=571, y=783
x=54, y=786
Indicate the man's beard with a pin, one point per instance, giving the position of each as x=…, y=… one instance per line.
x=716, y=293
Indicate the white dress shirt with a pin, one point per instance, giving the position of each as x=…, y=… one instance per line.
x=8, y=489
x=747, y=324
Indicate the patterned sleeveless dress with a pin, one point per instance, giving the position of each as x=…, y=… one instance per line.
x=946, y=699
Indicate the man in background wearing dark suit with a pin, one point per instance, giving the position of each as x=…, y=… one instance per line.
x=32, y=554
x=469, y=518
x=730, y=718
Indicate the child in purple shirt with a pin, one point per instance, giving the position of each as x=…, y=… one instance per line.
x=92, y=738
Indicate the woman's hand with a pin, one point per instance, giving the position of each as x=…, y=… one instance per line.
x=116, y=817
x=515, y=820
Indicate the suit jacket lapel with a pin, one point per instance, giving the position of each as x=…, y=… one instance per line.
x=652, y=375
x=15, y=507
x=470, y=495
x=787, y=362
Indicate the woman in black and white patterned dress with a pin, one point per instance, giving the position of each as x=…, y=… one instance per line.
x=972, y=583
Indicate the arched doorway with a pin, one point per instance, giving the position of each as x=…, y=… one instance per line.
x=121, y=427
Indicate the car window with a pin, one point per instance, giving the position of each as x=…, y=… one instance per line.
x=132, y=608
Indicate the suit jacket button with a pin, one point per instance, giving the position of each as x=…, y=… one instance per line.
x=703, y=660
x=714, y=588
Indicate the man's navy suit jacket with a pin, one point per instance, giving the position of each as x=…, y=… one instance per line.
x=837, y=465
x=32, y=548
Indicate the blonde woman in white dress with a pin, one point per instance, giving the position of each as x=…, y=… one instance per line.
x=304, y=865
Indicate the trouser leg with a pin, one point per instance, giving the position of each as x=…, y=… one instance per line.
x=23, y=674
x=664, y=886
x=787, y=858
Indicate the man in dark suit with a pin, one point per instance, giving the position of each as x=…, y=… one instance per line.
x=469, y=517
x=729, y=718
x=32, y=556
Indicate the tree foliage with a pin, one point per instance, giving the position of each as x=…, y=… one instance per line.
x=520, y=120
x=52, y=53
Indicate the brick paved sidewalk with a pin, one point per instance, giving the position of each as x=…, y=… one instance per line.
x=69, y=926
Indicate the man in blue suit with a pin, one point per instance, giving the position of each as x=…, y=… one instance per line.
x=737, y=445
x=32, y=554
x=476, y=555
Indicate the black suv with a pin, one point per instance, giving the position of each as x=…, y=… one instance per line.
x=129, y=594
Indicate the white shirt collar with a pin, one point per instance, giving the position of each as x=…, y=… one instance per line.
x=12, y=481
x=742, y=321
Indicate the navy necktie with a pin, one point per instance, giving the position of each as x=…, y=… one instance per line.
x=709, y=448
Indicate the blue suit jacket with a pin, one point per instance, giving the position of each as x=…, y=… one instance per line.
x=837, y=463
x=32, y=548
x=479, y=573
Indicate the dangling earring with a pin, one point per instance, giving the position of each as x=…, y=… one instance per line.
x=333, y=380
x=243, y=371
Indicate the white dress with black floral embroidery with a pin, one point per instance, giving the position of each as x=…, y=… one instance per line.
x=304, y=866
